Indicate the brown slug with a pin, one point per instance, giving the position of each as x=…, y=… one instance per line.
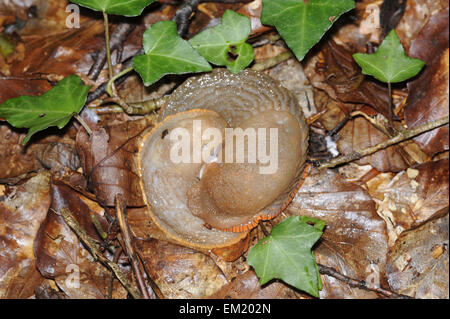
x=209, y=205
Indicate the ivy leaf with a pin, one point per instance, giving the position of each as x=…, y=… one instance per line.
x=389, y=64
x=166, y=53
x=53, y=108
x=129, y=8
x=303, y=23
x=225, y=44
x=286, y=254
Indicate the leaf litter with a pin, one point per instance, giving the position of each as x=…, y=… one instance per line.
x=389, y=225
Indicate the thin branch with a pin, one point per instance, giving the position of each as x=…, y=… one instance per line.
x=125, y=230
x=400, y=137
x=325, y=270
x=118, y=36
x=93, y=247
x=83, y=123
x=273, y=61
x=183, y=15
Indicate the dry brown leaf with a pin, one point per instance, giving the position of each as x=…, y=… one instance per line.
x=181, y=272
x=109, y=163
x=417, y=13
x=339, y=75
x=418, y=263
x=61, y=256
x=413, y=196
x=428, y=93
x=355, y=239
x=359, y=134
x=246, y=286
x=21, y=214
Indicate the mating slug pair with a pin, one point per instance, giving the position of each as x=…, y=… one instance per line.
x=212, y=204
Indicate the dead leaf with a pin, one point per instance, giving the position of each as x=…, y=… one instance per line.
x=359, y=134
x=355, y=239
x=414, y=196
x=61, y=256
x=246, y=286
x=414, y=269
x=21, y=214
x=109, y=163
x=333, y=70
x=428, y=93
x=181, y=272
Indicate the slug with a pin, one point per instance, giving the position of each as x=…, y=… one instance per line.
x=210, y=204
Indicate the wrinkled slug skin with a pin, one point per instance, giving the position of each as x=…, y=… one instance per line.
x=234, y=194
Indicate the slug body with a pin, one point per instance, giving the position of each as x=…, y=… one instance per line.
x=230, y=196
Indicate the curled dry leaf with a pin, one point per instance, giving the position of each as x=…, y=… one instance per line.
x=334, y=70
x=61, y=256
x=414, y=196
x=428, y=93
x=108, y=161
x=418, y=263
x=21, y=214
x=181, y=272
x=355, y=239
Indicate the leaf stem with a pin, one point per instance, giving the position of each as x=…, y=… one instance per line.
x=108, y=49
x=109, y=88
x=83, y=123
x=391, y=114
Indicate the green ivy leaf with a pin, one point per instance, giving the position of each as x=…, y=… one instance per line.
x=53, y=108
x=303, y=23
x=286, y=254
x=128, y=8
x=389, y=64
x=225, y=44
x=166, y=53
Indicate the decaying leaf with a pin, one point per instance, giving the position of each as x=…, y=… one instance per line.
x=108, y=161
x=428, y=93
x=181, y=272
x=246, y=286
x=414, y=196
x=61, y=256
x=21, y=214
x=339, y=75
x=418, y=263
x=354, y=239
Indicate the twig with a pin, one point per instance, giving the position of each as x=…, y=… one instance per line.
x=83, y=123
x=125, y=230
x=93, y=247
x=118, y=36
x=183, y=14
x=102, y=88
x=400, y=137
x=324, y=270
x=271, y=62
x=117, y=254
